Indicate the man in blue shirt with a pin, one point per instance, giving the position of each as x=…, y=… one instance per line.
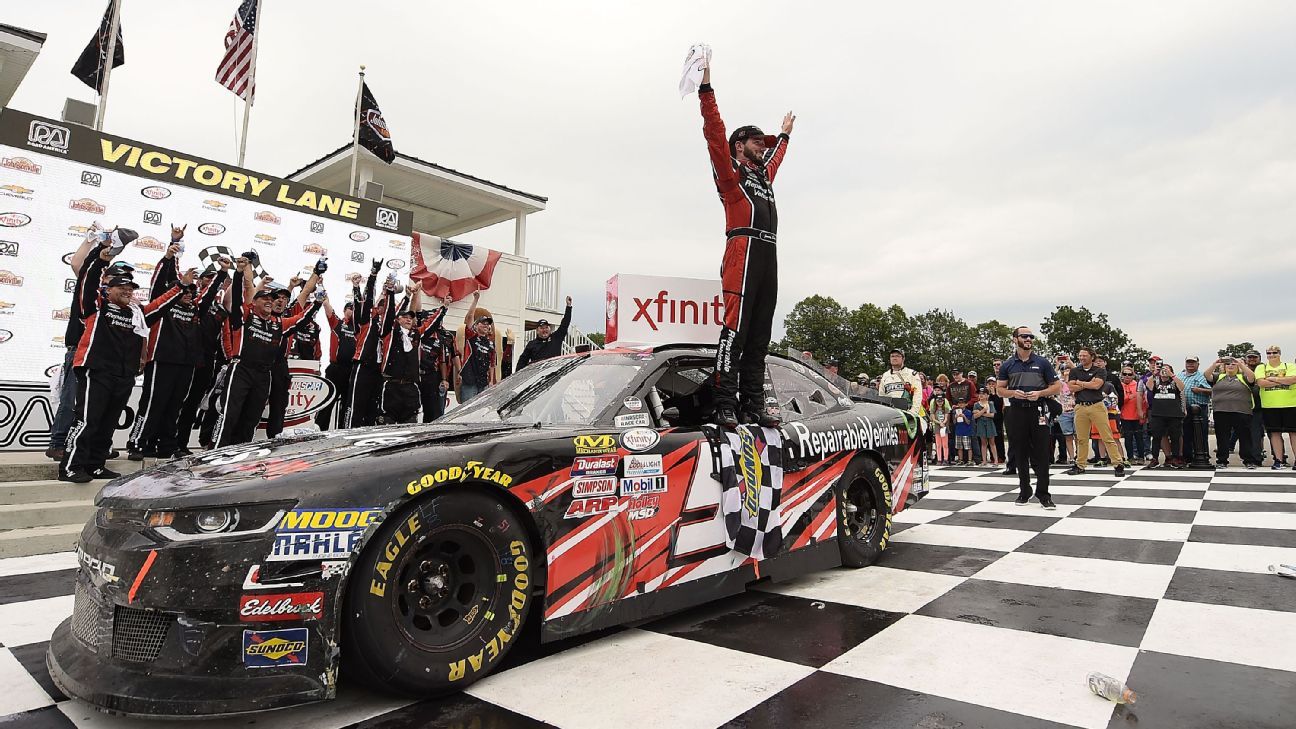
x=1199, y=396
x=1027, y=380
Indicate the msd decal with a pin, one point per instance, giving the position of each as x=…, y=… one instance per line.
x=282, y=606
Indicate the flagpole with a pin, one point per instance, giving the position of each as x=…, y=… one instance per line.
x=355, y=137
x=250, y=92
x=108, y=62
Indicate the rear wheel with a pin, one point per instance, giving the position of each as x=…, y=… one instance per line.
x=438, y=596
x=863, y=512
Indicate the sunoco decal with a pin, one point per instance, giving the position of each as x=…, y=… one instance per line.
x=274, y=648
x=863, y=433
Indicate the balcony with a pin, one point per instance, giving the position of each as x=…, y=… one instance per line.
x=544, y=288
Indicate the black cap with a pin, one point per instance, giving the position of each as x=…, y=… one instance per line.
x=125, y=236
x=1253, y=353
x=263, y=294
x=188, y=289
x=543, y=323
x=742, y=134
x=898, y=351
x=484, y=318
x=122, y=281
x=348, y=305
x=118, y=268
x=407, y=312
x=834, y=363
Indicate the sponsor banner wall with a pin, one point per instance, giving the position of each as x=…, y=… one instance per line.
x=56, y=179
x=27, y=412
x=663, y=310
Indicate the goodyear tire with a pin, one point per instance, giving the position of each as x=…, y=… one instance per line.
x=439, y=595
x=863, y=512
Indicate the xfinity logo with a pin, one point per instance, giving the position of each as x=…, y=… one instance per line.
x=8, y=248
x=94, y=179
x=48, y=136
x=154, y=218
x=387, y=218
x=678, y=311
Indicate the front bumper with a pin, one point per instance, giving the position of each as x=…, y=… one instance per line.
x=116, y=688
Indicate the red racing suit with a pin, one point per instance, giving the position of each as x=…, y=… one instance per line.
x=749, y=272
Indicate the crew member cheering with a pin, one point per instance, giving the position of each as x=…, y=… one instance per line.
x=341, y=358
x=171, y=357
x=399, y=402
x=548, y=341
x=106, y=362
x=365, y=377
x=253, y=342
x=436, y=362
x=211, y=317
x=280, y=379
x=478, y=370
x=744, y=166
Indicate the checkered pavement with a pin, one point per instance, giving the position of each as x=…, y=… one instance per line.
x=981, y=614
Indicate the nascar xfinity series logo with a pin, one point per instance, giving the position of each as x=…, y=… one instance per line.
x=320, y=533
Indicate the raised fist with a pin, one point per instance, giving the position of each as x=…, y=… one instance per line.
x=377, y=265
x=178, y=233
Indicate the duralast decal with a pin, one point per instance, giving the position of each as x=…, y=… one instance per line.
x=861, y=433
x=473, y=470
x=518, y=597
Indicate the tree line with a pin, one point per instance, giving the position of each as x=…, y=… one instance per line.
x=938, y=340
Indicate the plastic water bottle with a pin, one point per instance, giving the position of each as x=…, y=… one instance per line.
x=1111, y=689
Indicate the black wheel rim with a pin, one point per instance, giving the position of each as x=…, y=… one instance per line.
x=446, y=587
x=865, y=519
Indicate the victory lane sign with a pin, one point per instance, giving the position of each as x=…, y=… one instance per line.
x=81, y=144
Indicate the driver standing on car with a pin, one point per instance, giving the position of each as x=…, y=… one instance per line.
x=744, y=166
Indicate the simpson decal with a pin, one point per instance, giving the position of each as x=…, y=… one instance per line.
x=585, y=487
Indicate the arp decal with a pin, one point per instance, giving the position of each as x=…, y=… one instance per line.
x=594, y=466
x=275, y=648
x=474, y=470
x=594, y=445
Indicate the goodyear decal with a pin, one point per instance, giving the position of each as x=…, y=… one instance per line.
x=391, y=551
x=518, y=597
x=473, y=470
x=886, y=496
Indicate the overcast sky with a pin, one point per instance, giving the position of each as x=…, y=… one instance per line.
x=993, y=158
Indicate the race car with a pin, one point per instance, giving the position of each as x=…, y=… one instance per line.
x=582, y=492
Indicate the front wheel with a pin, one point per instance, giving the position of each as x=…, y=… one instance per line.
x=863, y=513
x=439, y=595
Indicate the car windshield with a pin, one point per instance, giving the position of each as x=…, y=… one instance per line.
x=562, y=391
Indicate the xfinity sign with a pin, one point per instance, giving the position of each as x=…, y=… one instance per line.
x=663, y=309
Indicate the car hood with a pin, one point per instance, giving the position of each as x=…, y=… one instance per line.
x=285, y=467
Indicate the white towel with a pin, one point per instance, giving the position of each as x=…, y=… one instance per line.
x=137, y=319
x=697, y=61
x=406, y=340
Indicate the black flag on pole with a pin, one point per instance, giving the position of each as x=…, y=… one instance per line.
x=374, y=135
x=89, y=67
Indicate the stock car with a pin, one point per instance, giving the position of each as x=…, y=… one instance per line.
x=583, y=492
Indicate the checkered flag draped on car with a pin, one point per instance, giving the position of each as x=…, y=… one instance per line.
x=751, y=475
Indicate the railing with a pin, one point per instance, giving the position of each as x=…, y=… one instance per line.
x=575, y=337
x=543, y=288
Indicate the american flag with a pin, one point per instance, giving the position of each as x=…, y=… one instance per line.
x=235, y=71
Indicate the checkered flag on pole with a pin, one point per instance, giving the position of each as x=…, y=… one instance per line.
x=751, y=477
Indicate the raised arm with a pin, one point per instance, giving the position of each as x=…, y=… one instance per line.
x=561, y=332
x=88, y=244
x=774, y=159
x=209, y=294
x=165, y=274
x=291, y=323
x=88, y=293
x=713, y=130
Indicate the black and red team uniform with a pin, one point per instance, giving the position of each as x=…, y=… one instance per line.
x=105, y=364
x=399, y=401
x=436, y=362
x=253, y=345
x=342, y=346
x=204, y=395
x=749, y=272
x=365, y=377
x=171, y=358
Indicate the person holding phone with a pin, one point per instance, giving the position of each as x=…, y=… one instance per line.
x=1166, y=411
x=1231, y=381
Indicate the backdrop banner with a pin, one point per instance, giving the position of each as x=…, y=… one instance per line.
x=56, y=179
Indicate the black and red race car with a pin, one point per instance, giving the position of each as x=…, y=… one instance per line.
x=580, y=493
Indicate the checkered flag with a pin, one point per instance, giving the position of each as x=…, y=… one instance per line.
x=209, y=263
x=751, y=475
